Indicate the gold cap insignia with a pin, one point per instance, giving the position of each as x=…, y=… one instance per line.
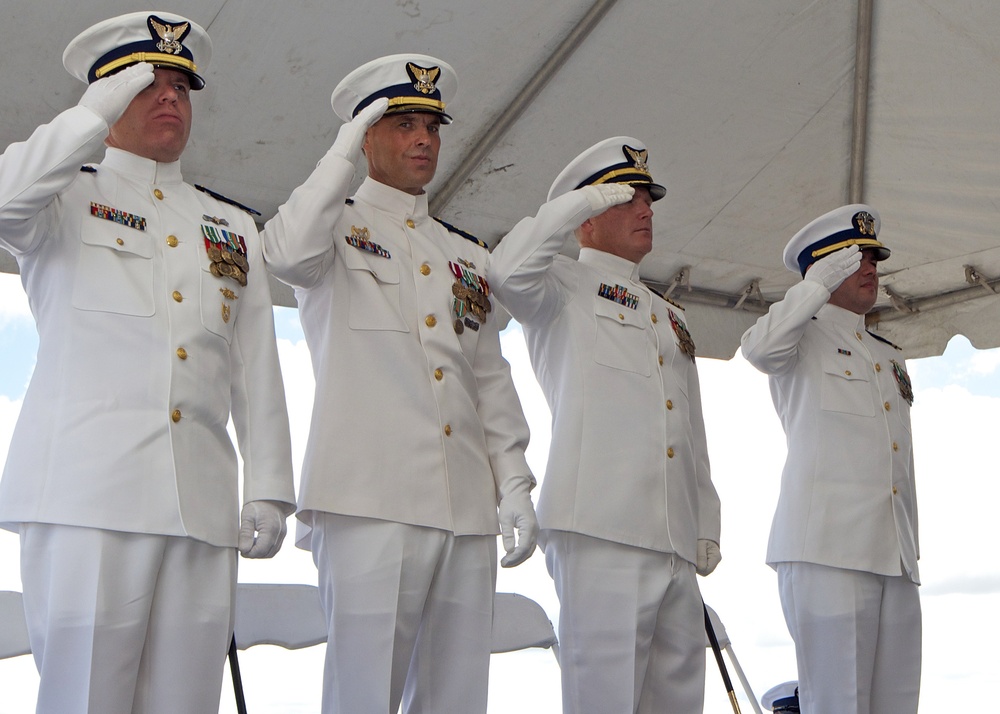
x=423, y=77
x=170, y=35
x=865, y=223
x=638, y=158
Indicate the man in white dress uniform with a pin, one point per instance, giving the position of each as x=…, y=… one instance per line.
x=844, y=535
x=417, y=435
x=155, y=326
x=628, y=512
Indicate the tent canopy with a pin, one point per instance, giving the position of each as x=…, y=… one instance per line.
x=759, y=116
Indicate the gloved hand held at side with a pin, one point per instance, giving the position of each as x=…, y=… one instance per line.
x=351, y=136
x=110, y=96
x=708, y=556
x=603, y=196
x=517, y=514
x=262, y=528
x=831, y=270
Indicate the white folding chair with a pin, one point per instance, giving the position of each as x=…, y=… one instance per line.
x=13, y=629
x=518, y=623
x=285, y=614
x=291, y=616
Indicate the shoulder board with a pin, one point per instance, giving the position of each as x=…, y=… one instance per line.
x=467, y=236
x=88, y=169
x=664, y=297
x=349, y=201
x=882, y=339
x=231, y=202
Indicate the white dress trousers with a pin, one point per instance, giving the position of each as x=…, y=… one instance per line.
x=416, y=606
x=631, y=627
x=857, y=639
x=110, y=613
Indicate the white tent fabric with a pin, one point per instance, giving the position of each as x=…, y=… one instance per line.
x=747, y=106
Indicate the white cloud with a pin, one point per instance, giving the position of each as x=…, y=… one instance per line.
x=984, y=362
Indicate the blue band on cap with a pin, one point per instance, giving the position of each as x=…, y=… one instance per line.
x=865, y=240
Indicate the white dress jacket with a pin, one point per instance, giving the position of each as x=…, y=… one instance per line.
x=414, y=421
x=847, y=496
x=628, y=460
x=143, y=353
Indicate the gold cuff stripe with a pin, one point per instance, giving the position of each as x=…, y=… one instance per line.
x=863, y=242
x=151, y=57
x=621, y=172
x=420, y=101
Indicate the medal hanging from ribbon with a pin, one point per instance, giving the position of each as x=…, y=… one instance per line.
x=471, y=301
x=903, y=382
x=684, y=340
x=227, y=252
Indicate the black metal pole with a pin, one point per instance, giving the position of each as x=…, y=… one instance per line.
x=234, y=668
x=714, y=641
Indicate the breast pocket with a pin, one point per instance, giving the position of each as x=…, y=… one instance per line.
x=373, y=282
x=114, y=272
x=220, y=304
x=620, y=338
x=846, y=388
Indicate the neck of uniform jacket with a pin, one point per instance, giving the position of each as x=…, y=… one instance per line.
x=142, y=169
x=391, y=200
x=610, y=263
x=841, y=317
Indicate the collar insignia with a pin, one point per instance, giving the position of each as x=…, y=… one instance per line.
x=170, y=35
x=423, y=77
x=638, y=158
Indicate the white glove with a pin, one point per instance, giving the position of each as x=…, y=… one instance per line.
x=830, y=271
x=517, y=514
x=603, y=196
x=110, y=96
x=262, y=528
x=708, y=556
x=351, y=136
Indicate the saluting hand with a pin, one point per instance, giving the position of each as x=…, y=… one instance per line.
x=110, y=96
x=831, y=270
x=603, y=196
x=351, y=136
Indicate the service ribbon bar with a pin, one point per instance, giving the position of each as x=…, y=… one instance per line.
x=619, y=294
x=116, y=216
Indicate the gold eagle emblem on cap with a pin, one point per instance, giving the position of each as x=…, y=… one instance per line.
x=639, y=158
x=170, y=36
x=865, y=223
x=423, y=77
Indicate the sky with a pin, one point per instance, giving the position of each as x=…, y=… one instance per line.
x=954, y=418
